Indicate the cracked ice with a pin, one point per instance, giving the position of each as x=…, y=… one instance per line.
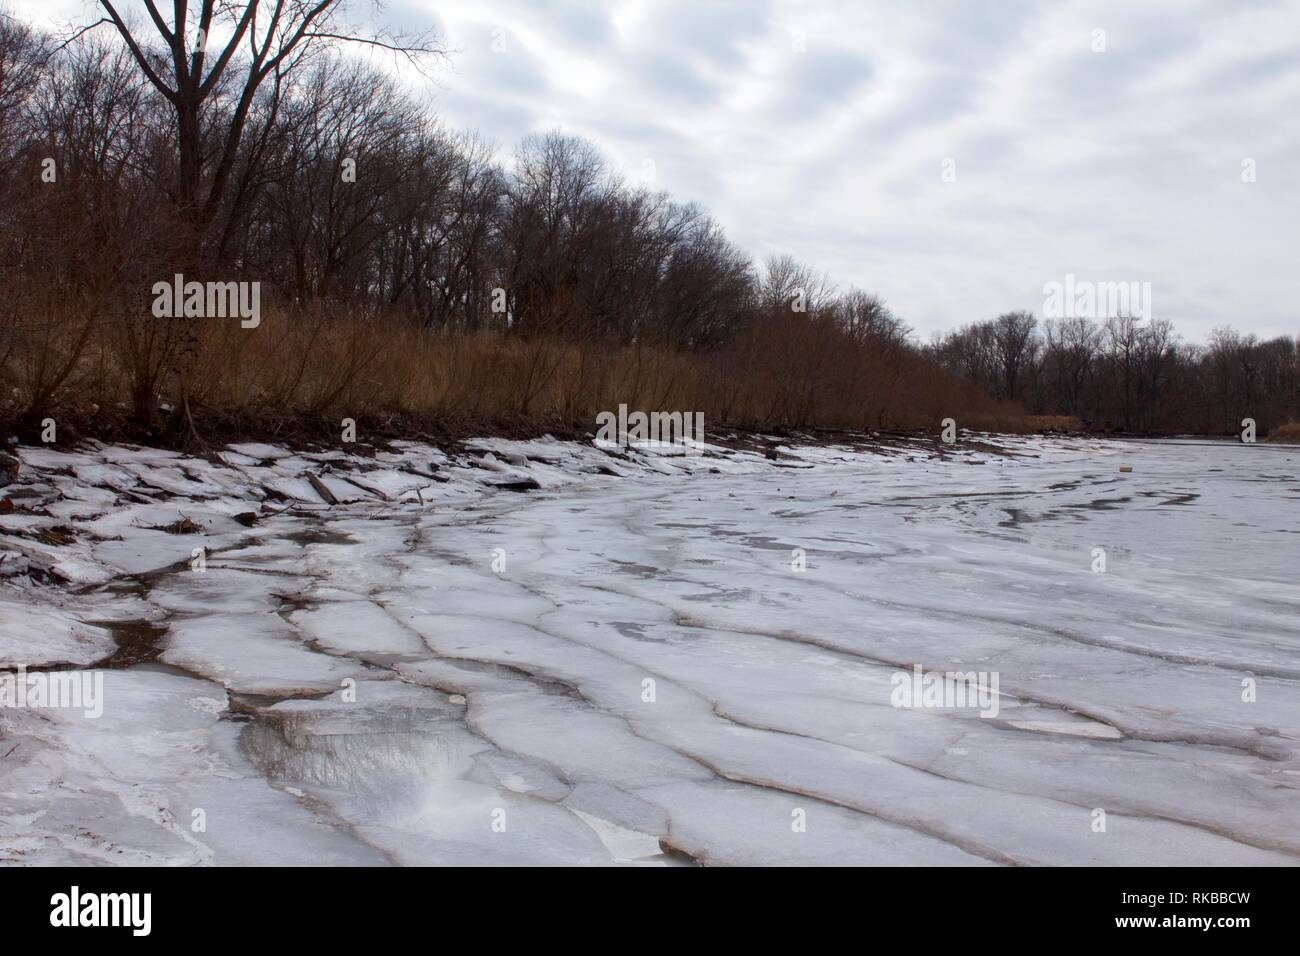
x=653, y=659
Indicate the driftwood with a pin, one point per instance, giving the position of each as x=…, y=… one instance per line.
x=321, y=490
x=366, y=488
x=412, y=470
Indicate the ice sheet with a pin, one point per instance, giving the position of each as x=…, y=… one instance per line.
x=655, y=659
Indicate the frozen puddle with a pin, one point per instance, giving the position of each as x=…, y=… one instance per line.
x=658, y=661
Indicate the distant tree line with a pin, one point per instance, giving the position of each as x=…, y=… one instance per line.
x=1129, y=374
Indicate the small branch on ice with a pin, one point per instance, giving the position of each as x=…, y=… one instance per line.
x=321, y=490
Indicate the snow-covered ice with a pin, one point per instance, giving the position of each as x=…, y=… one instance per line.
x=649, y=660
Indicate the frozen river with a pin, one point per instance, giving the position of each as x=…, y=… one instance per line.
x=684, y=659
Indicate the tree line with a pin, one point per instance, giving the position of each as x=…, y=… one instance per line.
x=1129, y=374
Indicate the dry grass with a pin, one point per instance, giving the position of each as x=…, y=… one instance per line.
x=300, y=367
x=1290, y=432
x=1051, y=423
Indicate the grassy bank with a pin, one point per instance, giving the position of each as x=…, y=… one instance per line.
x=301, y=373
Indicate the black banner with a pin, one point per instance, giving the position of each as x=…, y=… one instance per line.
x=333, y=906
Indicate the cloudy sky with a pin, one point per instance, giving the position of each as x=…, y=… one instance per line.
x=1103, y=139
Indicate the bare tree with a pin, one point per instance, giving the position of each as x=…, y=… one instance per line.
x=263, y=39
x=1122, y=336
x=787, y=285
x=866, y=317
x=22, y=55
x=1016, y=346
x=1157, y=345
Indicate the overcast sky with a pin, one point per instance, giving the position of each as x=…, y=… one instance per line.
x=821, y=129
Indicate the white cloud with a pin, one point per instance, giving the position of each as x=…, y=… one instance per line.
x=1116, y=165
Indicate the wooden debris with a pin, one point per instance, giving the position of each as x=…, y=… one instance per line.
x=326, y=495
